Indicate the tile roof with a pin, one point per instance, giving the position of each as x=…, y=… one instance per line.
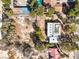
x=58, y=8
x=54, y=53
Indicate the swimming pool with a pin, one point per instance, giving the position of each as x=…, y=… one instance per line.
x=24, y=10
x=39, y=2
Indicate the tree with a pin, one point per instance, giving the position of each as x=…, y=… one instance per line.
x=9, y=12
x=75, y=10
x=38, y=33
x=6, y=3
x=8, y=31
x=68, y=46
x=38, y=11
x=32, y=3
x=50, y=12
x=70, y=27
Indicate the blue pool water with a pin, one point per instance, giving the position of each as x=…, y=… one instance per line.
x=25, y=10
x=39, y=2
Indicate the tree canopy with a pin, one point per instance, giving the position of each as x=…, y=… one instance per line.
x=75, y=10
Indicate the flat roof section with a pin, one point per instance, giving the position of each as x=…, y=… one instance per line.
x=53, y=39
x=53, y=29
x=53, y=32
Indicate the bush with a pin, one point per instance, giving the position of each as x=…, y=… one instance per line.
x=38, y=34
x=6, y=1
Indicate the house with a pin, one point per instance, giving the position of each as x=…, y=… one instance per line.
x=58, y=4
x=53, y=31
x=20, y=7
x=54, y=2
x=53, y=53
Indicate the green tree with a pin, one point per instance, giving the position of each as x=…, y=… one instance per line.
x=70, y=27
x=38, y=33
x=8, y=30
x=75, y=10
x=9, y=12
x=32, y=3
x=68, y=46
x=38, y=11
x=50, y=12
x=6, y=3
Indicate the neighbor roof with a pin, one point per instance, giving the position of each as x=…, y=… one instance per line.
x=58, y=8
x=53, y=53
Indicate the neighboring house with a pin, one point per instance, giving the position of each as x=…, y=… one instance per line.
x=58, y=5
x=53, y=53
x=53, y=31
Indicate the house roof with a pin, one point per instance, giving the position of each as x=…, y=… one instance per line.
x=20, y=2
x=54, y=3
x=58, y=8
x=46, y=1
x=53, y=31
x=50, y=2
x=53, y=53
x=53, y=39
